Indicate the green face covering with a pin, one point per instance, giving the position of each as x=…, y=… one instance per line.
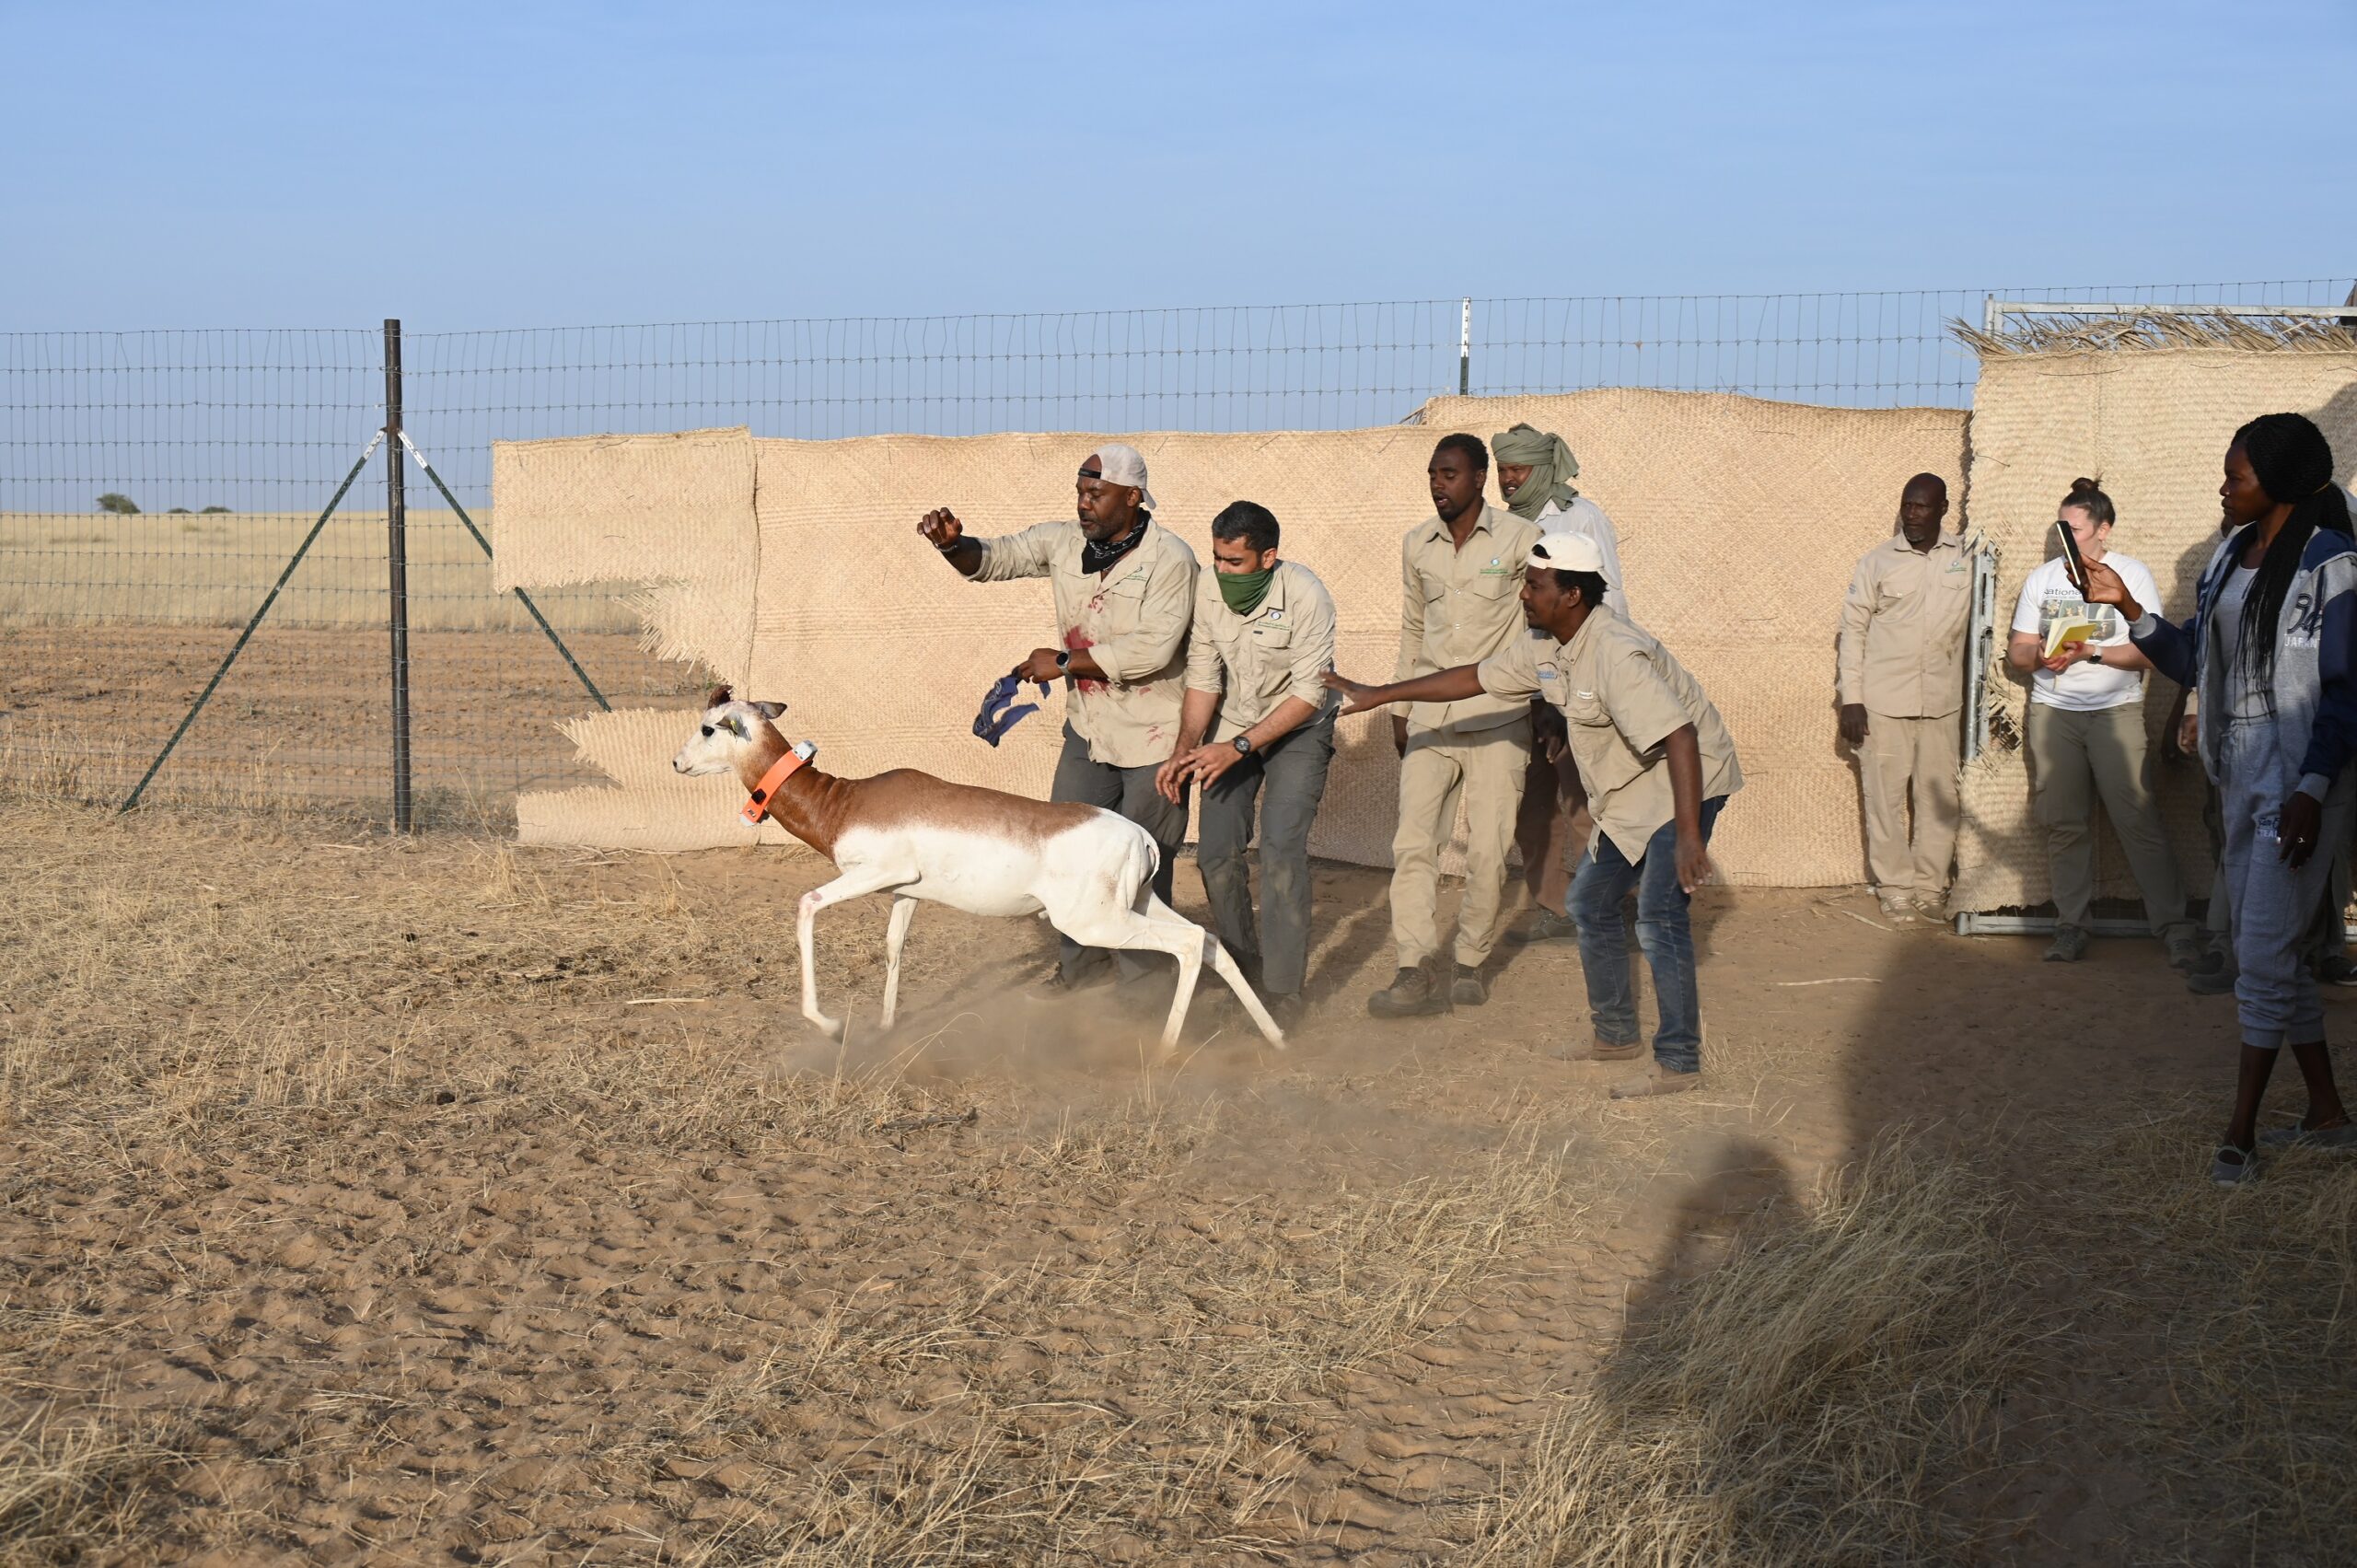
x=1551, y=466
x=1245, y=590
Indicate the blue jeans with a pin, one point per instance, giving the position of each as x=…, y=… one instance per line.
x=1604, y=879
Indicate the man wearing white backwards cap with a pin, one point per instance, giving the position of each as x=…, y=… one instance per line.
x=1124, y=594
x=1658, y=766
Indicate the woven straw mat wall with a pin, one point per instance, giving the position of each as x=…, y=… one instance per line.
x=1740, y=521
x=2152, y=425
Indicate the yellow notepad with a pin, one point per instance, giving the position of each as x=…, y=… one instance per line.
x=2063, y=631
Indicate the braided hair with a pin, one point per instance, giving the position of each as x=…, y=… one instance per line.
x=2292, y=463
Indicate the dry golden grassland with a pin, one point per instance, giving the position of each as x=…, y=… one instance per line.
x=70, y=568
x=441, y=1201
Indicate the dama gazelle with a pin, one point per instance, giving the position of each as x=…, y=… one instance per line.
x=922, y=838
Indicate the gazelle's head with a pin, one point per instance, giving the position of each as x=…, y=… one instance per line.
x=730, y=732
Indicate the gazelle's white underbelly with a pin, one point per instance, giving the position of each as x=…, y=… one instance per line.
x=981, y=873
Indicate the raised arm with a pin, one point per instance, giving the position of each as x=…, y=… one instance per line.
x=942, y=530
x=1445, y=686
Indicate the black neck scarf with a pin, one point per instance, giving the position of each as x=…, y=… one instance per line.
x=1095, y=557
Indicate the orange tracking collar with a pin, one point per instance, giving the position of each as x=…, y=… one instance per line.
x=757, y=805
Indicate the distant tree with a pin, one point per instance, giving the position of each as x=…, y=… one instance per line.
x=210, y=511
x=122, y=505
x=178, y=511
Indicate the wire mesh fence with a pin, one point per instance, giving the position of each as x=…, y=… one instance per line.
x=153, y=484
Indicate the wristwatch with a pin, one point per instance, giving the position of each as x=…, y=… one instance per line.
x=2094, y=653
x=1242, y=744
x=1063, y=659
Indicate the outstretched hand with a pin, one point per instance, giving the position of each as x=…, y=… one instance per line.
x=1362, y=699
x=941, y=527
x=2104, y=587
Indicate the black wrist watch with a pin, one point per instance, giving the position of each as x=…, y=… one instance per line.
x=1242, y=744
x=2094, y=653
x=1063, y=659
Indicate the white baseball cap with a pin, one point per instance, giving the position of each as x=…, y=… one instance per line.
x=1125, y=465
x=1566, y=552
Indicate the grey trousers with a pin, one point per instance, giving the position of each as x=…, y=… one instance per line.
x=2074, y=758
x=2273, y=905
x=1131, y=792
x=1288, y=780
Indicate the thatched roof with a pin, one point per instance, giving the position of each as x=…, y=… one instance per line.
x=2080, y=334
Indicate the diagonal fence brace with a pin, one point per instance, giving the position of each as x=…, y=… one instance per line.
x=243, y=637
x=522, y=598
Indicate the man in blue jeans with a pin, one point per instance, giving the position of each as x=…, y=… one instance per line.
x=1658, y=766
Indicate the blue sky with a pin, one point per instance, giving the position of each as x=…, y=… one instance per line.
x=512, y=165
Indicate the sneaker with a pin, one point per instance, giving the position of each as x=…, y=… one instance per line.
x=2185, y=950
x=1545, y=926
x=1660, y=1081
x=1898, y=908
x=2069, y=946
x=1411, y=995
x=2334, y=968
x=2231, y=1167
x=1932, y=907
x=1468, y=989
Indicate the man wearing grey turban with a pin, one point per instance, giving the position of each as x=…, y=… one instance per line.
x=1535, y=472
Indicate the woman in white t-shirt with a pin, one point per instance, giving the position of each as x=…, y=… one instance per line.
x=2087, y=736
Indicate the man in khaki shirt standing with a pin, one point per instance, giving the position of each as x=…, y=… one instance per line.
x=1658, y=766
x=1258, y=716
x=1902, y=687
x=1459, y=571
x=1124, y=594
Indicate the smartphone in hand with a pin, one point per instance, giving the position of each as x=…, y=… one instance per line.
x=2075, y=565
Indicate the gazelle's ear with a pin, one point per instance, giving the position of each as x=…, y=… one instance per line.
x=771, y=710
x=718, y=695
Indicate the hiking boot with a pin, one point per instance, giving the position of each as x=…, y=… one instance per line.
x=1545, y=925
x=2214, y=976
x=2069, y=946
x=1660, y=1081
x=1468, y=989
x=1056, y=986
x=1410, y=994
x=1600, y=1051
x=2185, y=950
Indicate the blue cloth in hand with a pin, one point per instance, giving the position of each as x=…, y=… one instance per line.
x=997, y=716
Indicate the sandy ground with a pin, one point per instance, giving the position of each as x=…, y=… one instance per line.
x=441, y=1202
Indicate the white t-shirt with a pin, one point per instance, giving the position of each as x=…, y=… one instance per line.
x=2046, y=597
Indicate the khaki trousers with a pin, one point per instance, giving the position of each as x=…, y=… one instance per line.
x=2073, y=758
x=1925, y=753
x=1485, y=769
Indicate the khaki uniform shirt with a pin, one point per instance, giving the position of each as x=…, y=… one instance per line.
x=1621, y=695
x=1256, y=661
x=1132, y=620
x=1460, y=606
x=1903, y=627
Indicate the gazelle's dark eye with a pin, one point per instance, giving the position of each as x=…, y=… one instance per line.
x=707, y=732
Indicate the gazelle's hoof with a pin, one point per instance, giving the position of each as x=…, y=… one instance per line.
x=831, y=1028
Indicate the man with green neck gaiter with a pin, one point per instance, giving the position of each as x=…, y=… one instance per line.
x=1258, y=726
x=1535, y=472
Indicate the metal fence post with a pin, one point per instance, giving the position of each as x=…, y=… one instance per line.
x=1464, y=347
x=397, y=567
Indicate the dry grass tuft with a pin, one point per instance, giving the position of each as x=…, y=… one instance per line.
x=75, y=1484
x=1809, y=1400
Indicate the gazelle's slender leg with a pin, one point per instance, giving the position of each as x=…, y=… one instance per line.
x=895, y=933
x=850, y=884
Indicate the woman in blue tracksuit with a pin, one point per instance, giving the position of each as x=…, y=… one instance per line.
x=2272, y=649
